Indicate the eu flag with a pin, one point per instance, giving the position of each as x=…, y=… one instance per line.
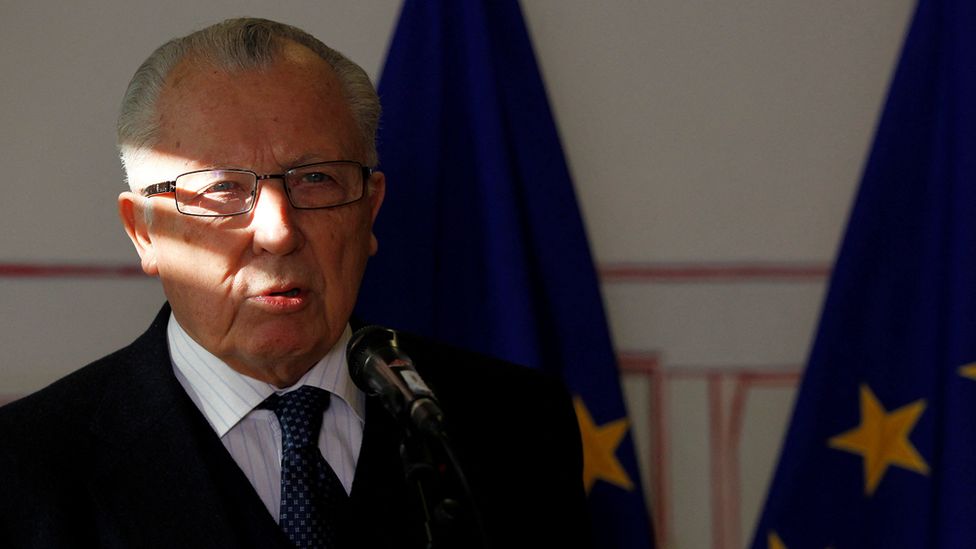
x=481, y=241
x=881, y=451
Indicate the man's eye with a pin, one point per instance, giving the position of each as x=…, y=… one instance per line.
x=316, y=177
x=223, y=187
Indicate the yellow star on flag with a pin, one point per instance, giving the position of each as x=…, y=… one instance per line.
x=969, y=370
x=599, y=449
x=882, y=439
x=773, y=542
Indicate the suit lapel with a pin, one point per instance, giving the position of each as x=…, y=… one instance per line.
x=163, y=473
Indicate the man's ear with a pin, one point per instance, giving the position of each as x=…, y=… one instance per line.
x=134, y=220
x=377, y=190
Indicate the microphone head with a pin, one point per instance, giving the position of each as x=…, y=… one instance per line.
x=366, y=343
x=380, y=369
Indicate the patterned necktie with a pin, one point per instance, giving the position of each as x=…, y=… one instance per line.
x=312, y=498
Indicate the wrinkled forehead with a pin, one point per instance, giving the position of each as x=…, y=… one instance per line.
x=266, y=117
x=295, y=82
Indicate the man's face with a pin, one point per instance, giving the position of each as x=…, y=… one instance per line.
x=270, y=291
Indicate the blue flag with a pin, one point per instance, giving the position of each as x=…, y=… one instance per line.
x=881, y=451
x=481, y=241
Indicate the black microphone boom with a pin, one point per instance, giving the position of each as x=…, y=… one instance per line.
x=380, y=368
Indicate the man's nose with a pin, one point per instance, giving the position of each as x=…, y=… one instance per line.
x=273, y=221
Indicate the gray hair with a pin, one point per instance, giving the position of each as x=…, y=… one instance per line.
x=236, y=45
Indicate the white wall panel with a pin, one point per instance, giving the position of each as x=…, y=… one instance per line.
x=767, y=414
x=716, y=324
x=709, y=129
x=52, y=326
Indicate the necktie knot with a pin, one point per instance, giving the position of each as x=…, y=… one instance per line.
x=300, y=415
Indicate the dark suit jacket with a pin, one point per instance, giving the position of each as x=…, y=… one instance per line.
x=117, y=455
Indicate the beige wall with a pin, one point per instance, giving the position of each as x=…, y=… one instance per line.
x=715, y=147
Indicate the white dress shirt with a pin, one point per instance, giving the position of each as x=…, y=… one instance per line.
x=228, y=399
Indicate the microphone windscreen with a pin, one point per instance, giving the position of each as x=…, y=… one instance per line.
x=367, y=342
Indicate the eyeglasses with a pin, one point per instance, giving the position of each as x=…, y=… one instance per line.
x=224, y=192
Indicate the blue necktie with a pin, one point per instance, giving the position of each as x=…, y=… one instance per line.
x=312, y=498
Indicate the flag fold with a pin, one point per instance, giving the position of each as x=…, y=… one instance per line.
x=481, y=240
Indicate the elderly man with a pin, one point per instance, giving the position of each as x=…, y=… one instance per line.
x=233, y=421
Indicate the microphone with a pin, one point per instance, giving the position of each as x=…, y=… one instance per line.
x=380, y=368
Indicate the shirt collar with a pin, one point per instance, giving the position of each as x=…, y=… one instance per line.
x=225, y=396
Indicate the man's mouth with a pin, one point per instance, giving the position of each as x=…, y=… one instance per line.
x=288, y=293
x=282, y=299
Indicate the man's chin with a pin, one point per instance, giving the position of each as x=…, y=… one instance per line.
x=280, y=372
x=270, y=348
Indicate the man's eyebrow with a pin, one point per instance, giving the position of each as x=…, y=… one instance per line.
x=307, y=158
x=310, y=158
x=220, y=166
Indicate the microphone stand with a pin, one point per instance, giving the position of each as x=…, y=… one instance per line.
x=379, y=368
x=422, y=467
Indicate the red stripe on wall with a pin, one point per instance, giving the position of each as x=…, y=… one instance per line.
x=717, y=461
x=50, y=270
x=647, y=363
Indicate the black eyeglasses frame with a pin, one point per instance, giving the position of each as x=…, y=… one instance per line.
x=170, y=186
